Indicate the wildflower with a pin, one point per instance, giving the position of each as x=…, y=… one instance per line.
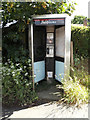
x=26, y=74
x=24, y=66
x=12, y=66
x=29, y=64
x=17, y=64
x=20, y=69
x=6, y=63
x=13, y=74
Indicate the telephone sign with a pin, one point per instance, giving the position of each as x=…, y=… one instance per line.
x=49, y=22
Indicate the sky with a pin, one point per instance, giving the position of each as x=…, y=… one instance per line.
x=81, y=8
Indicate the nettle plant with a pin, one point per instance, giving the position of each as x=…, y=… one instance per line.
x=17, y=83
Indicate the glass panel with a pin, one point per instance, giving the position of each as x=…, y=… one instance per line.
x=39, y=71
x=50, y=37
x=59, y=70
x=60, y=42
x=39, y=43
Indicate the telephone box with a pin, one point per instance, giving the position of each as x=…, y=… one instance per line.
x=49, y=43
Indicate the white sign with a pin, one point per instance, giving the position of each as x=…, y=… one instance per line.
x=50, y=74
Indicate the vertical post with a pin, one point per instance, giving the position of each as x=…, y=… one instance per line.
x=67, y=46
x=0, y=63
x=32, y=54
x=71, y=56
x=29, y=40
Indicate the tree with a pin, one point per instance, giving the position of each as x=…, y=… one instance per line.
x=21, y=12
x=78, y=19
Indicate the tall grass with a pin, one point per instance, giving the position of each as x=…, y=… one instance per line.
x=76, y=88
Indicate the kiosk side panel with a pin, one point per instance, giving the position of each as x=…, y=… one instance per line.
x=60, y=53
x=59, y=70
x=67, y=46
x=39, y=71
x=39, y=53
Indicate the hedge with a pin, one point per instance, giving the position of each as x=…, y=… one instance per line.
x=80, y=36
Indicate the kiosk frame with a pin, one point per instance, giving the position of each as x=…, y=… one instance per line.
x=67, y=40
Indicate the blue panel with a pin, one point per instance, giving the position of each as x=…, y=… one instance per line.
x=39, y=71
x=59, y=70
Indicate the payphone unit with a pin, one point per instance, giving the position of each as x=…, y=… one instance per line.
x=49, y=52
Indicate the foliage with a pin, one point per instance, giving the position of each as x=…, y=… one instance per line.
x=22, y=11
x=76, y=88
x=15, y=53
x=88, y=22
x=74, y=93
x=14, y=38
x=14, y=44
x=81, y=71
x=78, y=19
x=17, y=80
x=80, y=37
x=17, y=83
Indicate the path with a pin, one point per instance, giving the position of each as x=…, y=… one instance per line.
x=52, y=110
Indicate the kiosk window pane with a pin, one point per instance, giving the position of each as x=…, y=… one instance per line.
x=39, y=43
x=60, y=42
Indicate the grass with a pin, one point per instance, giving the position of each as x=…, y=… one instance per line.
x=76, y=89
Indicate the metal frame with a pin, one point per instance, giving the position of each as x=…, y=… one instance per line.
x=67, y=40
x=29, y=40
x=49, y=16
x=30, y=45
x=31, y=52
x=67, y=47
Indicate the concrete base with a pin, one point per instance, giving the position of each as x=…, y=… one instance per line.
x=48, y=90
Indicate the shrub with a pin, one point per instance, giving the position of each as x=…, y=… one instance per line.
x=17, y=83
x=81, y=76
x=81, y=70
x=78, y=19
x=80, y=36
